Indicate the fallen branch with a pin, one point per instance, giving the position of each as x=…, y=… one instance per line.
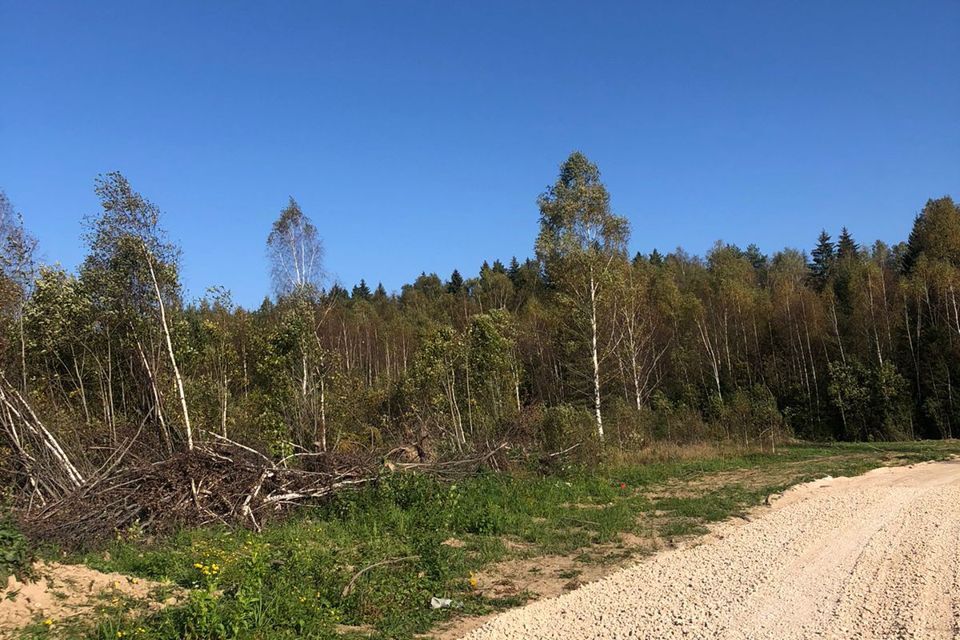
x=558, y=454
x=40, y=455
x=347, y=590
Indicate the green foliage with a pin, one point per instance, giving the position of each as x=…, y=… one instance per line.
x=675, y=422
x=872, y=400
x=935, y=235
x=565, y=425
x=16, y=555
x=575, y=216
x=824, y=256
x=751, y=416
x=56, y=314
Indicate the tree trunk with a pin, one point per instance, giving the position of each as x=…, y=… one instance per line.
x=173, y=358
x=223, y=407
x=23, y=355
x=711, y=353
x=594, y=354
x=323, y=413
x=157, y=400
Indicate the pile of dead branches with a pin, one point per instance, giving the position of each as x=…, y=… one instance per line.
x=39, y=457
x=217, y=481
x=494, y=459
x=220, y=483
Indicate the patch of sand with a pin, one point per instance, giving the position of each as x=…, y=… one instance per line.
x=64, y=591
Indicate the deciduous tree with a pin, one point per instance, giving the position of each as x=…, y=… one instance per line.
x=580, y=238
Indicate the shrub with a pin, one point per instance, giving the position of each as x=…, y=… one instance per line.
x=15, y=553
x=565, y=425
x=751, y=415
x=677, y=422
x=629, y=428
x=873, y=400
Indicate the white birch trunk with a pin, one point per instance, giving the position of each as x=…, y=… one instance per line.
x=594, y=354
x=173, y=358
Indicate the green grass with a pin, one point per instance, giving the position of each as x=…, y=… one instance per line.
x=288, y=581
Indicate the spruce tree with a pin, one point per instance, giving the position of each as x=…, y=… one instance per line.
x=338, y=293
x=755, y=257
x=361, y=291
x=935, y=233
x=455, y=284
x=513, y=272
x=824, y=257
x=846, y=246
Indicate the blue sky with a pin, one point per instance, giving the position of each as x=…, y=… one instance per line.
x=418, y=135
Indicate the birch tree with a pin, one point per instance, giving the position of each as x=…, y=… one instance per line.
x=580, y=238
x=18, y=266
x=134, y=269
x=642, y=329
x=295, y=252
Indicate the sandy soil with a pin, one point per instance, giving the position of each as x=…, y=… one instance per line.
x=875, y=556
x=63, y=591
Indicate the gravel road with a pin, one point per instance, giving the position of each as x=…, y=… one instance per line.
x=875, y=556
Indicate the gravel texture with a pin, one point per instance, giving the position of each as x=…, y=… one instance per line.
x=875, y=556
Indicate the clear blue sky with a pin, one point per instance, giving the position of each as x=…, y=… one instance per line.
x=418, y=135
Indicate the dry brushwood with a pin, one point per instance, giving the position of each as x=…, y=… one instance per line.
x=220, y=483
x=454, y=469
x=38, y=455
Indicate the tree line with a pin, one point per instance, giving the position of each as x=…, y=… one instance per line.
x=582, y=342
